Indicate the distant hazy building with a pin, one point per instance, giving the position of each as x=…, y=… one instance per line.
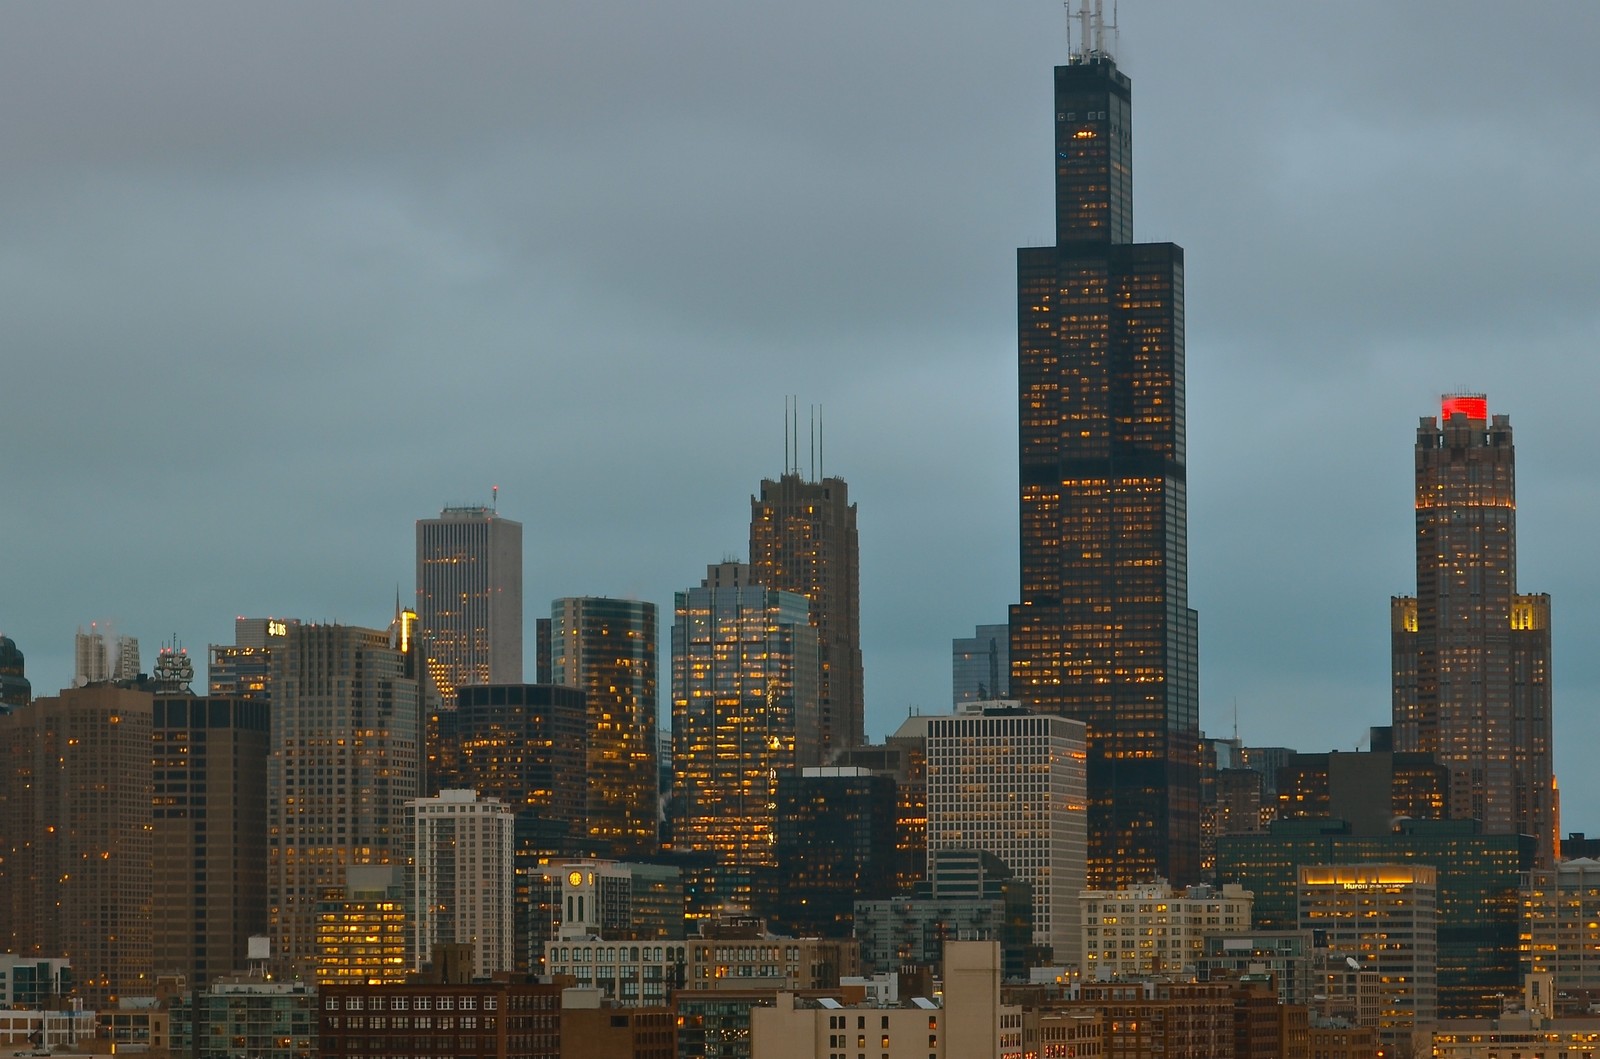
x=462, y=878
x=15, y=690
x=980, y=665
x=75, y=837
x=607, y=648
x=1471, y=653
x=469, y=598
x=1012, y=782
x=100, y=655
x=346, y=734
x=1387, y=917
x=745, y=687
x=209, y=832
x=803, y=539
x=91, y=663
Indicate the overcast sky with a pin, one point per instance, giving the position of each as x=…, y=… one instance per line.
x=278, y=279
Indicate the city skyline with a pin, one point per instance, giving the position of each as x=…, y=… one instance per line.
x=1353, y=250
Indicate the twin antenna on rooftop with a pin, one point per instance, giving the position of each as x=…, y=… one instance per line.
x=1091, y=19
x=791, y=438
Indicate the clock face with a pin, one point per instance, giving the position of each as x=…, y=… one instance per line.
x=575, y=879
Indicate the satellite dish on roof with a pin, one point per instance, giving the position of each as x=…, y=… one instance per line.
x=1351, y=960
x=80, y=681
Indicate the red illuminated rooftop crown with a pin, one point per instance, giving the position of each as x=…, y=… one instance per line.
x=1471, y=405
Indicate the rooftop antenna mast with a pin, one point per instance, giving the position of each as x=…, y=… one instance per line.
x=1091, y=31
x=494, y=499
x=813, y=412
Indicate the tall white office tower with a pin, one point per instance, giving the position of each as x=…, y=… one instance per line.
x=462, y=878
x=1011, y=782
x=469, y=598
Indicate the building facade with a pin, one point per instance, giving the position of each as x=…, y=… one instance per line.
x=527, y=745
x=209, y=832
x=1477, y=877
x=15, y=690
x=1560, y=928
x=1153, y=929
x=1471, y=653
x=1370, y=789
x=363, y=928
x=607, y=649
x=243, y=669
x=803, y=539
x=499, y=1019
x=619, y=901
x=346, y=743
x=745, y=708
x=834, y=843
x=463, y=878
x=1103, y=632
x=1011, y=782
x=469, y=598
x=1386, y=918
x=76, y=851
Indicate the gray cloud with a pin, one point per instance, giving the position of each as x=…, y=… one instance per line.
x=279, y=280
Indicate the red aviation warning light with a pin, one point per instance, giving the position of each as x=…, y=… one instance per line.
x=1471, y=405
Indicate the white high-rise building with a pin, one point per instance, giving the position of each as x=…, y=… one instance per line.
x=100, y=655
x=469, y=598
x=90, y=664
x=463, y=878
x=1014, y=783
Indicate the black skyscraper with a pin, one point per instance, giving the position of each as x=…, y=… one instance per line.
x=1104, y=632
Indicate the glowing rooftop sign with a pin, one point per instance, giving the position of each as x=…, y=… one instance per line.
x=1471, y=405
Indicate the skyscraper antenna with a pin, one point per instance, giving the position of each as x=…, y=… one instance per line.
x=1091, y=31
x=812, y=411
x=785, y=433
x=494, y=499
x=822, y=467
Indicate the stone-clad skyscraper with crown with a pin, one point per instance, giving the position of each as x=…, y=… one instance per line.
x=1471, y=654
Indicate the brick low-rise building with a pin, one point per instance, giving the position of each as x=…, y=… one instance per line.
x=498, y=1019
